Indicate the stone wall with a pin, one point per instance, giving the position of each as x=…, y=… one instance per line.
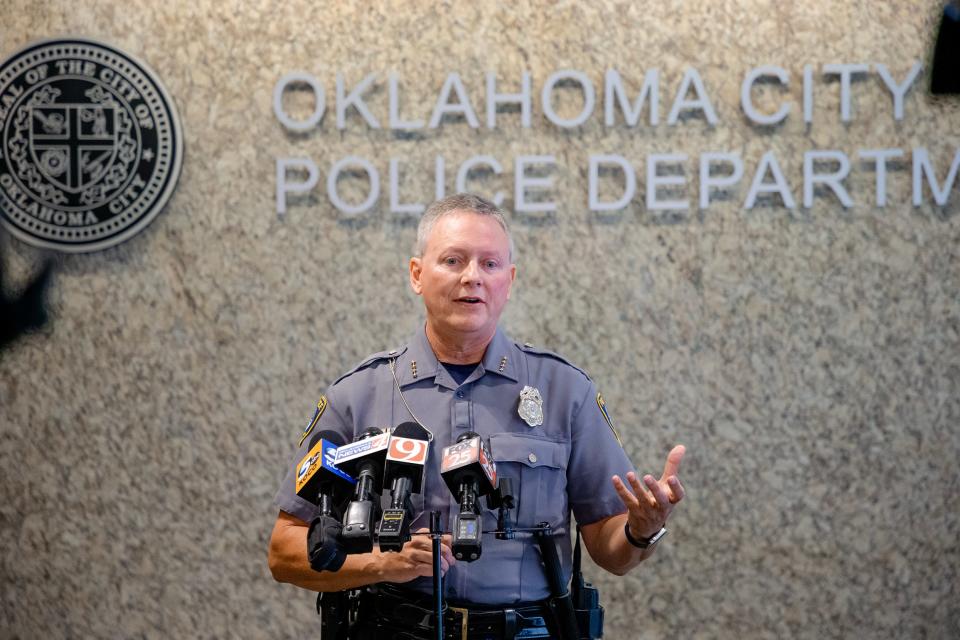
x=809, y=358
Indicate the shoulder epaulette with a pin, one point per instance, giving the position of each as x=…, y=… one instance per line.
x=529, y=348
x=372, y=359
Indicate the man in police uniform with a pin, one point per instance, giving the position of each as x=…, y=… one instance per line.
x=546, y=423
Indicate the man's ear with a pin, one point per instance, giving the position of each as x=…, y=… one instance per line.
x=415, y=271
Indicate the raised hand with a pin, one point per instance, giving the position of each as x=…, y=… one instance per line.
x=649, y=503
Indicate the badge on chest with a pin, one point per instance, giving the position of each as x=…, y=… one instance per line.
x=531, y=406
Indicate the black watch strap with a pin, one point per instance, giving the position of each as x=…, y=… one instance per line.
x=644, y=543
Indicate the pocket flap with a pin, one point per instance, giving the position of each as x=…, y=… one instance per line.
x=528, y=450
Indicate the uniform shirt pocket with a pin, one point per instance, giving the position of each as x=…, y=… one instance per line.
x=538, y=468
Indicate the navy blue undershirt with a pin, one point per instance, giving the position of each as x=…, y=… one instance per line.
x=459, y=372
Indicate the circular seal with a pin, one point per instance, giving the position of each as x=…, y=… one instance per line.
x=90, y=145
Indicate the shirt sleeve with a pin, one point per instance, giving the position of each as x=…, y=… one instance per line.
x=596, y=455
x=326, y=416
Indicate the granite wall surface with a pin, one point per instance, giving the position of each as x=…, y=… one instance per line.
x=809, y=358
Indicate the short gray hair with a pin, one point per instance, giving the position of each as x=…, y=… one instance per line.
x=453, y=204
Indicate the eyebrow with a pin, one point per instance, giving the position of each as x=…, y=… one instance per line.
x=472, y=250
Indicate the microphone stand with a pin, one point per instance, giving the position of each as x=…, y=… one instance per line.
x=561, y=602
x=436, y=531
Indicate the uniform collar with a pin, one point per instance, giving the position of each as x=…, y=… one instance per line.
x=419, y=362
x=501, y=357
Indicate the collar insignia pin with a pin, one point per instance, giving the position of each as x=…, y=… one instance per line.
x=531, y=406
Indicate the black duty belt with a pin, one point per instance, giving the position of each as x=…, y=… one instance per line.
x=410, y=612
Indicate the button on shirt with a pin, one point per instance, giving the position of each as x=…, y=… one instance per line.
x=562, y=465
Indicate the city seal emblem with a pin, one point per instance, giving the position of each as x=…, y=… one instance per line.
x=90, y=145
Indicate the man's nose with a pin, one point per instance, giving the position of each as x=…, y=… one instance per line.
x=471, y=273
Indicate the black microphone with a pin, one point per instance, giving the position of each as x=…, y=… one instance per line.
x=403, y=470
x=470, y=472
x=323, y=484
x=363, y=459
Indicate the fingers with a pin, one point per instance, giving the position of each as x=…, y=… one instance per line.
x=415, y=559
x=661, y=499
x=421, y=552
x=673, y=461
x=641, y=489
x=676, y=489
x=632, y=499
x=626, y=496
x=446, y=552
x=666, y=491
x=650, y=501
x=420, y=561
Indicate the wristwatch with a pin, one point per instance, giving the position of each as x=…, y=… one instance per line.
x=644, y=543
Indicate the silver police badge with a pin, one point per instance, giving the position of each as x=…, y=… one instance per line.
x=90, y=145
x=531, y=406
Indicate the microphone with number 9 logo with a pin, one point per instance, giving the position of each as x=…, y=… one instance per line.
x=403, y=471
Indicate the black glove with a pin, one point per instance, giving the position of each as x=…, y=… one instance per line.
x=323, y=544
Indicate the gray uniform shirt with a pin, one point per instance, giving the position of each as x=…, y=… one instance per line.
x=565, y=464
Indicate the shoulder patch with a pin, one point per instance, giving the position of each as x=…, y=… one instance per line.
x=373, y=359
x=529, y=348
x=606, y=416
x=321, y=407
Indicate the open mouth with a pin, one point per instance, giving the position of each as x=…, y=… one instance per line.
x=469, y=300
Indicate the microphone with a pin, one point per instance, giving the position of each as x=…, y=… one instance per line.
x=403, y=470
x=470, y=472
x=318, y=478
x=363, y=459
x=320, y=482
